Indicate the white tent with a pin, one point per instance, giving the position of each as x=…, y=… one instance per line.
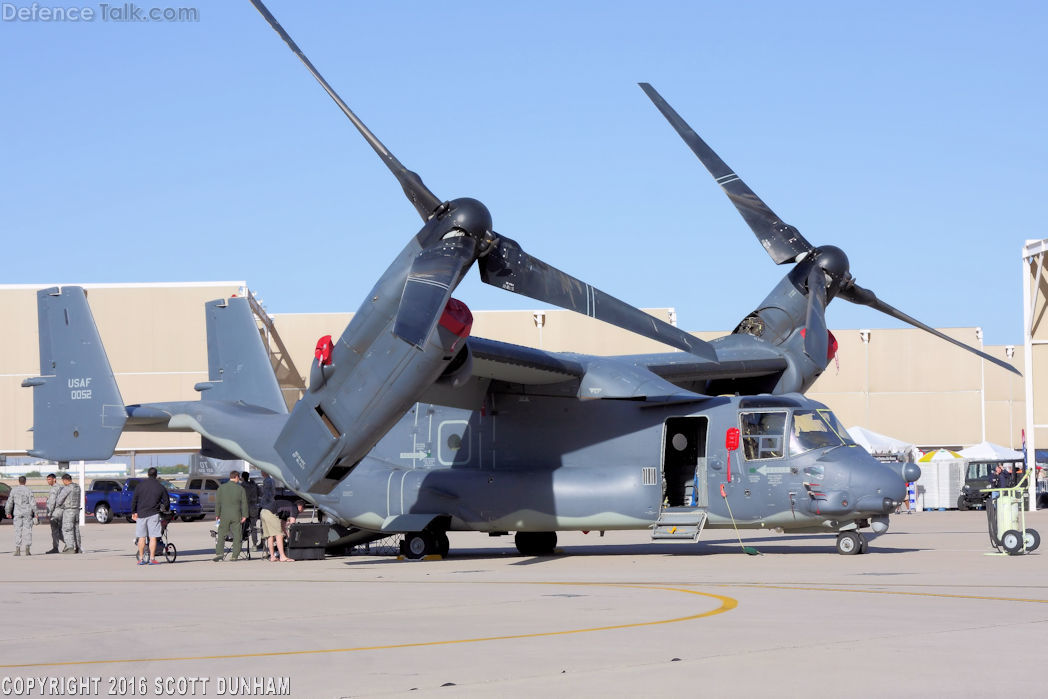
x=989, y=450
x=878, y=443
x=940, y=455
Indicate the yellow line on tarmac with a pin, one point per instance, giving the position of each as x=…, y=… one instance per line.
x=726, y=604
x=885, y=592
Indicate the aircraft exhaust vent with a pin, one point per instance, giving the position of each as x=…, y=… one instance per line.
x=649, y=476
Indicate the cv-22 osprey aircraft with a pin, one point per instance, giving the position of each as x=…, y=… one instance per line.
x=410, y=425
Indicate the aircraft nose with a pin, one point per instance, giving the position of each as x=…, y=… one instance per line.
x=854, y=483
x=880, y=487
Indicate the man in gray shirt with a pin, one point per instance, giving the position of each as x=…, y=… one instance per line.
x=150, y=498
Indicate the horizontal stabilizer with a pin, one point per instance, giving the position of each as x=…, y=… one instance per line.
x=77, y=409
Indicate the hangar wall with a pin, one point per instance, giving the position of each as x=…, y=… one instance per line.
x=900, y=382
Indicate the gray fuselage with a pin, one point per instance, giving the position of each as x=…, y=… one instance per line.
x=534, y=463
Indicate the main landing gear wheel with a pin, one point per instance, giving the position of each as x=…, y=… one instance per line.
x=1012, y=542
x=418, y=544
x=1032, y=540
x=170, y=553
x=850, y=543
x=536, y=543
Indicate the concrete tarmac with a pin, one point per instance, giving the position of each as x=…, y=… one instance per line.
x=925, y=612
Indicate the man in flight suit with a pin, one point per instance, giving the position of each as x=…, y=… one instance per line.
x=231, y=510
x=22, y=503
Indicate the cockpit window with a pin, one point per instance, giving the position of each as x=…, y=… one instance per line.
x=816, y=429
x=763, y=434
x=839, y=428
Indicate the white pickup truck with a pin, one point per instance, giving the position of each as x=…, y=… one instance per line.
x=206, y=487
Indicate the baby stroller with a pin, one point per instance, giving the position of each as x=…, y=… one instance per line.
x=170, y=550
x=164, y=544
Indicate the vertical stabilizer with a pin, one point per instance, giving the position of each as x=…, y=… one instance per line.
x=77, y=409
x=238, y=365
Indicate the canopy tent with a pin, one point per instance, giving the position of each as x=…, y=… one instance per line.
x=942, y=477
x=989, y=450
x=940, y=455
x=876, y=443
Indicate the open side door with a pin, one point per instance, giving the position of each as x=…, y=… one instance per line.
x=686, y=495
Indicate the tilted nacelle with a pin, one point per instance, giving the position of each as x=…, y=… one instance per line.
x=364, y=383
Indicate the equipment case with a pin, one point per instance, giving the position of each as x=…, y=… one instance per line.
x=307, y=542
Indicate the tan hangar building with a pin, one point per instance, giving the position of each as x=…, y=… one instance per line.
x=900, y=382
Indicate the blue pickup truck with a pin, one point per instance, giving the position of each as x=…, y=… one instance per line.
x=107, y=498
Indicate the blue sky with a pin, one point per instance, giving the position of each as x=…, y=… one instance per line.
x=912, y=135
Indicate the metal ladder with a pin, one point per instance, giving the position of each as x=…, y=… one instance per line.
x=292, y=384
x=679, y=523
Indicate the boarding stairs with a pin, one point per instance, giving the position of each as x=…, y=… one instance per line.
x=679, y=523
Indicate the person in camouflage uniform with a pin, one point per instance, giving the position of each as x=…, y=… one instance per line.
x=56, y=521
x=22, y=503
x=68, y=501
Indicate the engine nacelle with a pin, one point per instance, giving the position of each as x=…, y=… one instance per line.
x=374, y=379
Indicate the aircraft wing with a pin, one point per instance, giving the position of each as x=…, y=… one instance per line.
x=508, y=369
x=503, y=361
x=504, y=368
x=685, y=372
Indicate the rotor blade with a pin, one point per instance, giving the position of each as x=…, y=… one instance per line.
x=424, y=201
x=865, y=297
x=433, y=276
x=510, y=268
x=782, y=241
x=816, y=341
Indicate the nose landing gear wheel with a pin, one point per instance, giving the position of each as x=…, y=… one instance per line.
x=850, y=543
